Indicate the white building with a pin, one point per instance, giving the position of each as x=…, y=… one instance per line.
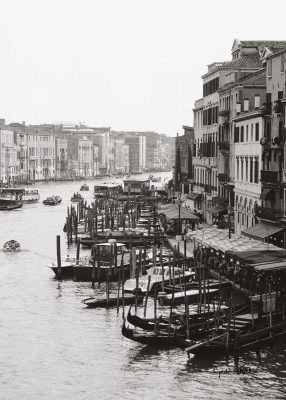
x=9, y=162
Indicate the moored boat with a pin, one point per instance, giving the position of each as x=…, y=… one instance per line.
x=106, y=265
x=158, y=274
x=111, y=301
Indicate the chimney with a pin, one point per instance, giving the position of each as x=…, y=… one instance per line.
x=24, y=123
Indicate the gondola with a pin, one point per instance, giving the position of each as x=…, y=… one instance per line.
x=156, y=338
x=92, y=302
x=147, y=324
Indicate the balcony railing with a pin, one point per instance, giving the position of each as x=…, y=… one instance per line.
x=269, y=213
x=269, y=177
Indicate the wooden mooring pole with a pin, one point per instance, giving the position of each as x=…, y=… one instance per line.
x=59, y=257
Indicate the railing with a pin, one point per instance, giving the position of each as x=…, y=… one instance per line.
x=269, y=213
x=269, y=177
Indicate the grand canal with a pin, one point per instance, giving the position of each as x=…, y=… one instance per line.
x=54, y=348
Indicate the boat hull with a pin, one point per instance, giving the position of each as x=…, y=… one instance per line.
x=112, y=301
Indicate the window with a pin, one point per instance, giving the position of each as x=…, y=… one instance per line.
x=236, y=134
x=242, y=134
x=268, y=130
x=269, y=68
x=251, y=171
x=238, y=108
x=237, y=168
x=257, y=132
x=241, y=177
x=245, y=105
x=280, y=94
x=256, y=170
x=246, y=139
x=251, y=138
x=246, y=169
x=268, y=98
x=256, y=100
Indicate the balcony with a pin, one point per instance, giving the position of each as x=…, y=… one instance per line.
x=222, y=178
x=269, y=213
x=271, y=177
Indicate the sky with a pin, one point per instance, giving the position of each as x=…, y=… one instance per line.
x=129, y=64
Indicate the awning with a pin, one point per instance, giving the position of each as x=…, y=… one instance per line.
x=217, y=209
x=270, y=266
x=267, y=194
x=262, y=230
x=193, y=196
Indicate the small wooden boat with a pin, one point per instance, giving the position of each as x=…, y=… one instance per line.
x=11, y=246
x=92, y=302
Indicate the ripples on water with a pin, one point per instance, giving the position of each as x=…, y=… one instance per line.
x=52, y=347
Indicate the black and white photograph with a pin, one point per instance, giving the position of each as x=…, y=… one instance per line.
x=142, y=200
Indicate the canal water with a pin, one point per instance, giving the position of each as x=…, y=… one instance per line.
x=52, y=347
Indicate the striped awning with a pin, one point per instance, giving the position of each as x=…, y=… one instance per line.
x=262, y=230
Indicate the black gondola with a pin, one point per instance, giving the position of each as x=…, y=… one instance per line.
x=92, y=302
x=156, y=338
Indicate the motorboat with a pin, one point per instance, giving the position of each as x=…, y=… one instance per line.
x=67, y=264
x=51, y=201
x=11, y=246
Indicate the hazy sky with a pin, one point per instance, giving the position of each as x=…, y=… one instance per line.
x=128, y=64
